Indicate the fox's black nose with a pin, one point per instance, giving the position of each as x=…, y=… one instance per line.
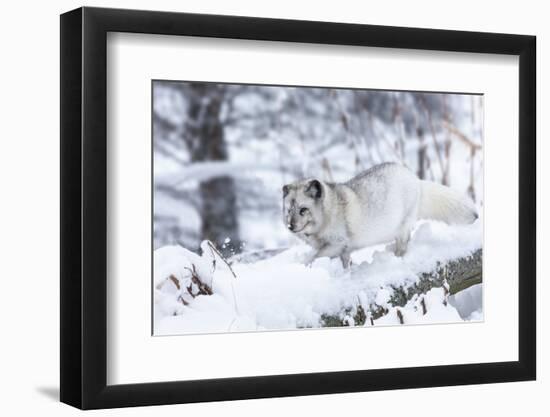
x=290, y=227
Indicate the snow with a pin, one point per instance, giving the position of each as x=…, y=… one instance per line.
x=469, y=303
x=173, y=271
x=282, y=293
x=436, y=311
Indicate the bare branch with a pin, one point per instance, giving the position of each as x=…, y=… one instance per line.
x=213, y=248
x=460, y=135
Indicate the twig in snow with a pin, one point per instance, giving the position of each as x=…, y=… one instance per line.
x=175, y=281
x=213, y=248
x=204, y=289
x=423, y=304
x=446, y=286
x=369, y=318
x=400, y=316
x=181, y=300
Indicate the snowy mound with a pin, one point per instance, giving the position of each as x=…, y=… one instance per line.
x=202, y=294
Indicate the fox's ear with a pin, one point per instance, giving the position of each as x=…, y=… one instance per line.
x=314, y=189
x=285, y=190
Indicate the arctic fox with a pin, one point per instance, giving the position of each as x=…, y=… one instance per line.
x=379, y=205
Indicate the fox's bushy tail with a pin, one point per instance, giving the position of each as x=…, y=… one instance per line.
x=439, y=202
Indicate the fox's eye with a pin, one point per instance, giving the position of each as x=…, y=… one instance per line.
x=303, y=211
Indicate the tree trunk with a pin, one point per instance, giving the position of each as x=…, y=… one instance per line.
x=421, y=172
x=206, y=142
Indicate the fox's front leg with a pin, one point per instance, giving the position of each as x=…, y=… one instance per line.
x=345, y=257
x=331, y=251
x=316, y=253
x=402, y=242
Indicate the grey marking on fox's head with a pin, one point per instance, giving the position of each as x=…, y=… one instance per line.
x=303, y=206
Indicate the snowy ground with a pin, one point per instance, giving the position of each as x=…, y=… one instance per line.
x=282, y=293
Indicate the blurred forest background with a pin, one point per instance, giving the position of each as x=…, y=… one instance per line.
x=222, y=152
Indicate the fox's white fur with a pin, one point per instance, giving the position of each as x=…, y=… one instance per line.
x=379, y=205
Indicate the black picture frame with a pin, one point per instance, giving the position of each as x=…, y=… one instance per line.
x=84, y=207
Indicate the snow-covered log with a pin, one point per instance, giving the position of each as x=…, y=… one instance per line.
x=453, y=276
